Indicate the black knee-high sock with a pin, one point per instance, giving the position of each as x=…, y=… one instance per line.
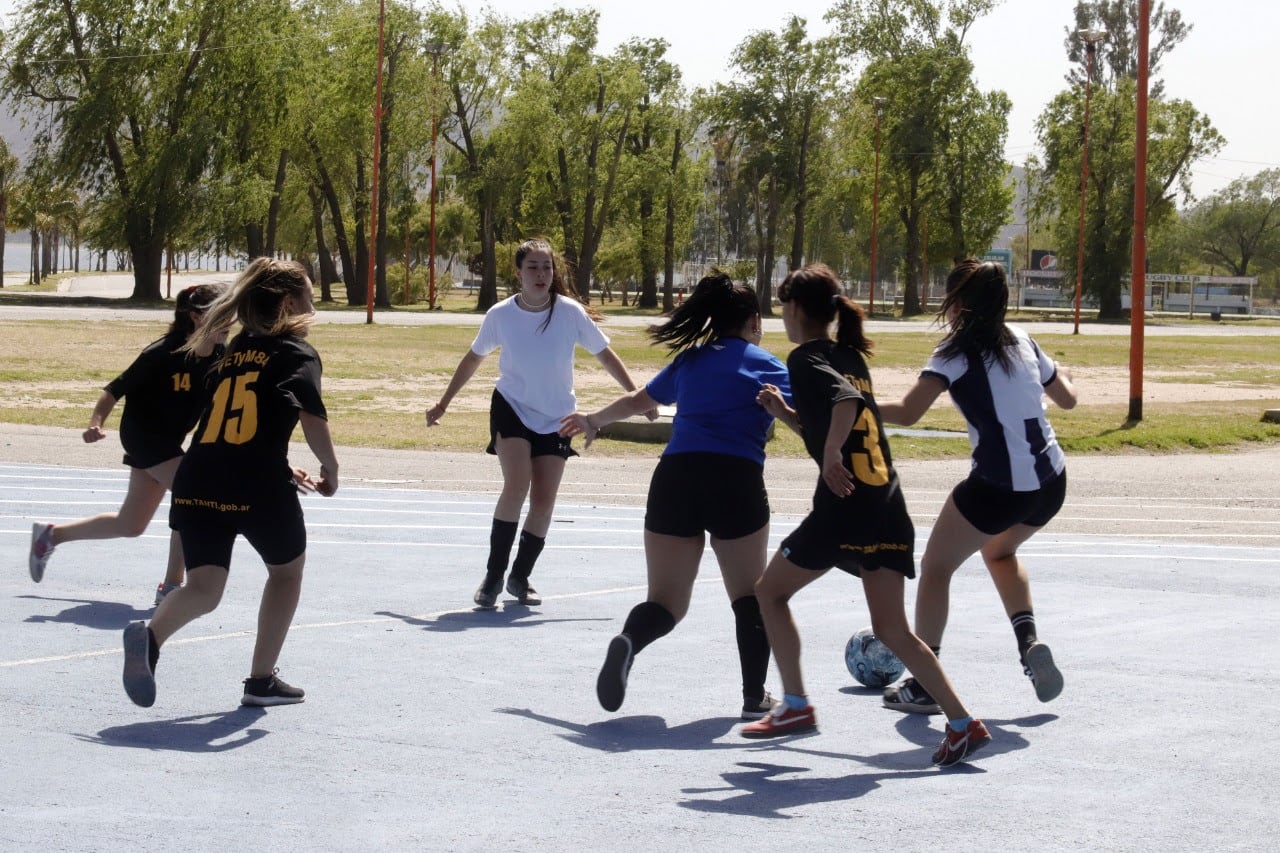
x=527, y=554
x=753, y=646
x=501, y=537
x=647, y=622
x=1024, y=628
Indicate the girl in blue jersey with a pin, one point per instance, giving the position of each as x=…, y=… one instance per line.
x=537, y=331
x=236, y=479
x=710, y=478
x=163, y=392
x=997, y=377
x=859, y=522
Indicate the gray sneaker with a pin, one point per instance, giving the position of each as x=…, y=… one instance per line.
x=611, y=684
x=164, y=589
x=139, y=680
x=758, y=709
x=910, y=698
x=268, y=690
x=1038, y=665
x=41, y=550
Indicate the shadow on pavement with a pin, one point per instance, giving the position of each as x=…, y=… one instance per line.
x=201, y=733
x=101, y=615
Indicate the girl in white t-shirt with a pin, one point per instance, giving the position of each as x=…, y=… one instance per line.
x=997, y=377
x=536, y=332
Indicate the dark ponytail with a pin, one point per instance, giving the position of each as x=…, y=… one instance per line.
x=817, y=292
x=974, y=310
x=717, y=308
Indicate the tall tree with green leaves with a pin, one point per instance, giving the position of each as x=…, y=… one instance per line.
x=1179, y=135
x=1238, y=227
x=8, y=175
x=139, y=108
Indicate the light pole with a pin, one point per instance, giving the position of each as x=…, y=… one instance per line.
x=377, y=154
x=435, y=49
x=1091, y=37
x=1138, y=284
x=879, y=104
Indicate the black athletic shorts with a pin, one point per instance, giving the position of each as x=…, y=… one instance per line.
x=993, y=509
x=274, y=526
x=142, y=450
x=853, y=533
x=504, y=422
x=695, y=493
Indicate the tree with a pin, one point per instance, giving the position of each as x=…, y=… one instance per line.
x=8, y=172
x=1238, y=227
x=139, y=110
x=1178, y=136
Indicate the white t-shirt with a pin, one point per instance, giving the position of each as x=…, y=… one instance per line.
x=1013, y=444
x=535, y=365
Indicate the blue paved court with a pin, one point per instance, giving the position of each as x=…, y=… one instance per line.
x=430, y=726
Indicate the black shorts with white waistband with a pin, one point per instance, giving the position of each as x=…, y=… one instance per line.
x=993, y=509
x=505, y=423
x=695, y=493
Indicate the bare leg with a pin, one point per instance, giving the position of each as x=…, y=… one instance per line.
x=546, y=473
x=199, y=596
x=672, y=567
x=517, y=472
x=175, y=572
x=139, y=507
x=280, y=597
x=742, y=561
x=952, y=541
x=781, y=580
x=1007, y=572
x=884, y=591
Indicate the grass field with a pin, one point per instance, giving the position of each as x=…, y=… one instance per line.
x=380, y=378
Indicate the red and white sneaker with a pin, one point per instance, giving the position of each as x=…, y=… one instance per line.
x=957, y=746
x=783, y=720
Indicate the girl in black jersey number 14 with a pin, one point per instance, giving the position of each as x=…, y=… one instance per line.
x=998, y=378
x=859, y=522
x=537, y=331
x=163, y=392
x=236, y=478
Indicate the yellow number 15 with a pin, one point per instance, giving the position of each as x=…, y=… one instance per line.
x=233, y=414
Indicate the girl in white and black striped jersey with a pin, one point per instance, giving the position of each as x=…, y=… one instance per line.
x=997, y=377
x=537, y=332
x=710, y=479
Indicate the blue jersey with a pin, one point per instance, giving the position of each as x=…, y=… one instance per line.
x=714, y=389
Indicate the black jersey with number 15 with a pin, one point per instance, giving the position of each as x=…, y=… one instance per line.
x=257, y=391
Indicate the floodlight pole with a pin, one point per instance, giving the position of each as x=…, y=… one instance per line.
x=1091, y=38
x=377, y=155
x=1138, y=284
x=879, y=104
x=435, y=49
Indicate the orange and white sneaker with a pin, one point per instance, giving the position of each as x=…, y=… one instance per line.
x=957, y=746
x=783, y=720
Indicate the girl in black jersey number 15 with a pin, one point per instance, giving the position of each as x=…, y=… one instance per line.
x=998, y=378
x=236, y=478
x=163, y=392
x=859, y=522
x=537, y=331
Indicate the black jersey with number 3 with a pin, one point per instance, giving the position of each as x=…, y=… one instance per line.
x=822, y=375
x=241, y=445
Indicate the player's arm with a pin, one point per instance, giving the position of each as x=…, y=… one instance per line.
x=775, y=403
x=614, y=367
x=838, y=478
x=101, y=411
x=1062, y=390
x=588, y=425
x=316, y=431
x=917, y=401
x=461, y=376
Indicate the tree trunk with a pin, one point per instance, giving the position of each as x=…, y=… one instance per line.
x=488, y=296
x=147, y=256
x=330, y=193
x=273, y=210
x=324, y=260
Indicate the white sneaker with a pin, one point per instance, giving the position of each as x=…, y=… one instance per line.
x=41, y=549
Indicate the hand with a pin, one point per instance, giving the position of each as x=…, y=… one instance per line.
x=652, y=414
x=328, y=482
x=434, y=414
x=772, y=400
x=303, y=482
x=1064, y=371
x=578, y=424
x=837, y=477
x=94, y=433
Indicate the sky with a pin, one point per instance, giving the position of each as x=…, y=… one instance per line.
x=1017, y=48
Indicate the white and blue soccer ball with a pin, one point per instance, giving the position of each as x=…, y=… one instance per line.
x=870, y=661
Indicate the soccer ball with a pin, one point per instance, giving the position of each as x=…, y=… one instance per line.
x=870, y=660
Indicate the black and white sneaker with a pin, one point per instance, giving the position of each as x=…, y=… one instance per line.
x=268, y=690
x=520, y=589
x=1038, y=665
x=611, y=684
x=910, y=698
x=758, y=709
x=139, y=679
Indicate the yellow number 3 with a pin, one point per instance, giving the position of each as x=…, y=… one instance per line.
x=233, y=414
x=868, y=463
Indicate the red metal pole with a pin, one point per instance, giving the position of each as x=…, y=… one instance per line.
x=435, y=77
x=377, y=156
x=1137, y=289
